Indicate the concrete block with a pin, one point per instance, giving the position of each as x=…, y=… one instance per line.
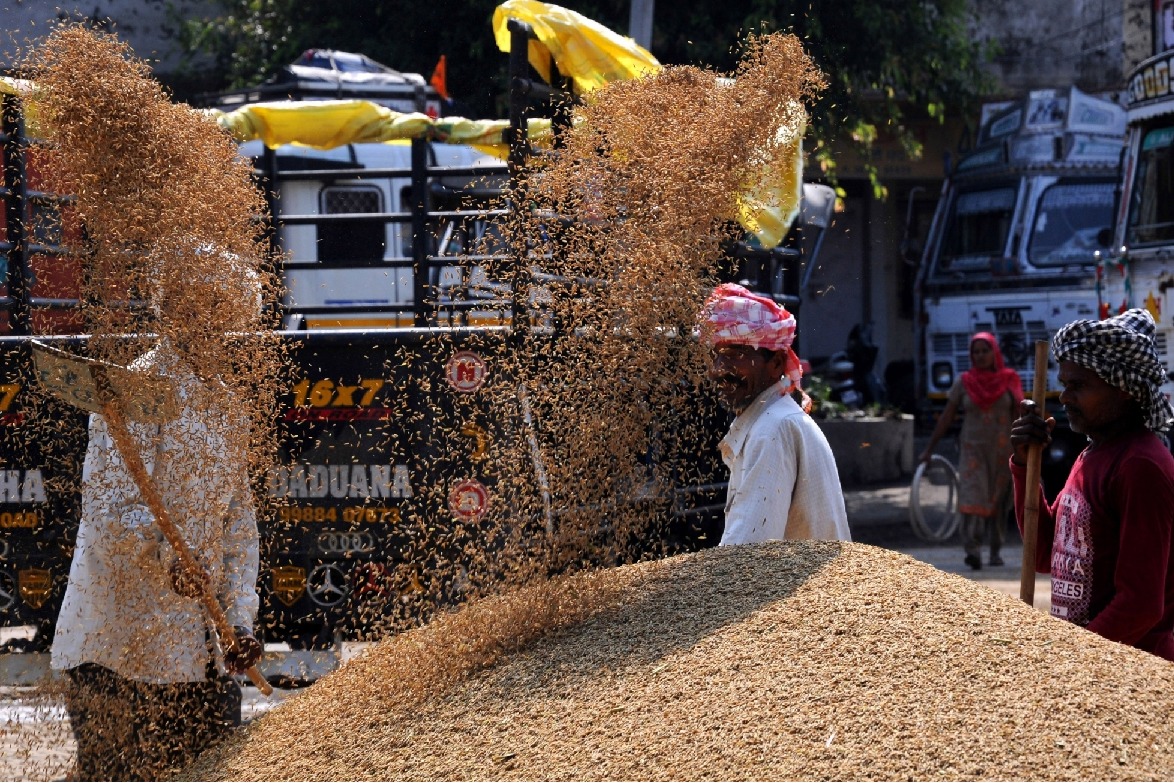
x=871, y=450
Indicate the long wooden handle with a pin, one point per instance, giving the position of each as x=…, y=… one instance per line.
x=1039, y=392
x=120, y=433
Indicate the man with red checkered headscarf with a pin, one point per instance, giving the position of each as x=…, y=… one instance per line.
x=783, y=478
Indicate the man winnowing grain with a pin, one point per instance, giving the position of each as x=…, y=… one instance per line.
x=149, y=683
x=783, y=478
x=1108, y=541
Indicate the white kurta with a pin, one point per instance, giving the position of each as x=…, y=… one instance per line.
x=783, y=478
x=119, y=609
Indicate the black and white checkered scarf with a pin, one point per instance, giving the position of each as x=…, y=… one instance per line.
x=1121, y=350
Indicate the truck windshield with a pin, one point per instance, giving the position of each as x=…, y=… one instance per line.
x=1151, y=214
x=1069, y=217
x=977, y=230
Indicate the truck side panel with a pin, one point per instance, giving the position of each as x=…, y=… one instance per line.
x=42, y=444
x=384, y=480
x=382, y=503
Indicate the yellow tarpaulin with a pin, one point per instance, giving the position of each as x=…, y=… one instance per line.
x=321, y=124
x=22, y=88
x=329, y=124
x=10, y=86
x=592, y=55
x=768, y=208
x=585, y=51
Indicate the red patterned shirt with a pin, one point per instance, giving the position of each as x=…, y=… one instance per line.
x=1108, y=541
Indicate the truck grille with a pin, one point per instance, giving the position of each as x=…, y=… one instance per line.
x=1017, y=345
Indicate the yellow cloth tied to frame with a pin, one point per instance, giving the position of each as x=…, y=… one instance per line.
x=588, y=53
x=322, y=124
x=329, y=124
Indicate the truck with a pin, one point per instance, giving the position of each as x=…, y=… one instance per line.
x=343, y=213
x=1136, y=271
x=396, y=331
x=1021, y=223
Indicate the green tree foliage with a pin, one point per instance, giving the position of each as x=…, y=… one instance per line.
x=252, y=39
x=886, y=61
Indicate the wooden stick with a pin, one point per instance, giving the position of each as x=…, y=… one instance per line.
x=1039, y=395
x=120, y=433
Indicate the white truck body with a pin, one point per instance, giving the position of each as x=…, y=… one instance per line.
x=365, y=260
x=1139, y=269
x=1013, y=245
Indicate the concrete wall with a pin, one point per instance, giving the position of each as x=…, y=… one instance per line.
x=1137, y=31
x=871, y=450
x=149, y=27
x=1045, y=43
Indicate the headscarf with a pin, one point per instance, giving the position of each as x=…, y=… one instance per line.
x=985, y=387
x=1121, y=351
x=734, y=316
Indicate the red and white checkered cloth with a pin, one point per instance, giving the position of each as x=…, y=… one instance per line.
x=734, y=316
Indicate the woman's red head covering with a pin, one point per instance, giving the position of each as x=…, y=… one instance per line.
x=985, y=387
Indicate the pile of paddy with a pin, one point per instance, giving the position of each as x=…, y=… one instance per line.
x=810, y=660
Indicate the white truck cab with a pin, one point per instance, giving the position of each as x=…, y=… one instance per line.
x=1013, y=245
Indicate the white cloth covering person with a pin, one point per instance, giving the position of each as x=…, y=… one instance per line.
x=120, y=610
x=783, y=478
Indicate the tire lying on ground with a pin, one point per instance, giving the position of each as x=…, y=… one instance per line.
x=810, y=660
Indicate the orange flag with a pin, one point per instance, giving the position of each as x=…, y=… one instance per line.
x=439, y=78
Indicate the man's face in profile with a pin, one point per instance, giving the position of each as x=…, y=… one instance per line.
x=741, y=373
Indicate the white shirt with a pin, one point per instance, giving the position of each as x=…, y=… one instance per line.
x=783, y=478
x=119, y=609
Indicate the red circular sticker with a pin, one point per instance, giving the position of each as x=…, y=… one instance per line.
x=469, y=500
x=465, y=371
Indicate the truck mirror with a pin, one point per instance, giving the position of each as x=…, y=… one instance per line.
x=818, y=205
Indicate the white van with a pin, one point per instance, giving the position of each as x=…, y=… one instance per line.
x=344, y=226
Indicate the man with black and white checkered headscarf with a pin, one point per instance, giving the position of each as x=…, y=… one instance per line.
x=1121, y=350
x=1108, y=540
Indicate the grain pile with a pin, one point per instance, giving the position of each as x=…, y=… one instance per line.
x=775, y=661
